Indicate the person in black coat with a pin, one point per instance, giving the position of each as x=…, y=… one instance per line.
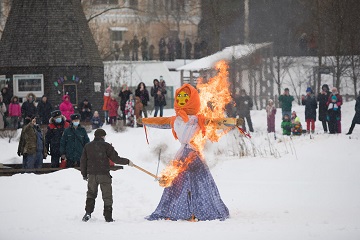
x=44, y=109
x=85, y=110
x=54, y=132
x=28, y=108
x=124, y=95
x=162, y=49
x=356, y=119
x=244, y=104
x=158, y=91
x=188, y=47
x=322, y=98
x=143, y=94
x=310, y=109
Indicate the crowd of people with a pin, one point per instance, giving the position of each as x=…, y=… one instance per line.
x=328, y=104
x=65, y=137
x=169, y=49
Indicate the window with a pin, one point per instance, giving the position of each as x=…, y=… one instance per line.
x=117, y=33
x=26, y=83
x=116, y=36
x=98, y=2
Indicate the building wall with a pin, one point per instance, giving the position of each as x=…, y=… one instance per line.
x=142, y=22
x=82, y=77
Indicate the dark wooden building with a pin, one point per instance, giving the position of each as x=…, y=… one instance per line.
x=47, y=48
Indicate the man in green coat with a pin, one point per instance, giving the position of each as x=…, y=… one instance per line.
x=285, y=101
x=73, y=141
x=32, y=145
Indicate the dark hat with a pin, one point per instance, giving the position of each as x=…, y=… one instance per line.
x=75, y=116
x=309, y=89
x=31, y=116
x=100, y=133
x=55, y=113
x=286, y=89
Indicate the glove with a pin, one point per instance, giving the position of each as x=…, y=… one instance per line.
x=63, y=156
x=85, y=178
x=131, y=164
x=239, y=121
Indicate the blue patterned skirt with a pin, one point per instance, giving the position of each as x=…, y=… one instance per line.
x=193, y=192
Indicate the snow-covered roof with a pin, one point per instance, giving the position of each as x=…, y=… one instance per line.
x=237, y=51
x=177, y=63
x=133, y=73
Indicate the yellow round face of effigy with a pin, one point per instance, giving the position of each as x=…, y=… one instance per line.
x=182, y=98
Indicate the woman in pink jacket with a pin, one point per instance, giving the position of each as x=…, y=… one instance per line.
x=14, y=112
x=66, y=108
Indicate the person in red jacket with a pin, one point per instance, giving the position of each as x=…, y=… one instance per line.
x=113, y=106
x=106, y=102
x=66, y=108
x=53, y=136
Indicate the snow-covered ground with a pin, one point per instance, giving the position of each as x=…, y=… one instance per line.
x=289, y=188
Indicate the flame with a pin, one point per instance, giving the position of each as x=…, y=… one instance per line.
x=214, y=95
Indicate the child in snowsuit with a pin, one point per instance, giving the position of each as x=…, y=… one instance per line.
x=286, y=125
x=113, y=106
x=296, y=124
x=96, y=121
x=130, y=111
x=333, y=115
x=270, y=112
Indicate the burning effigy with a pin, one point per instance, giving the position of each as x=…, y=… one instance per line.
x=190, y=192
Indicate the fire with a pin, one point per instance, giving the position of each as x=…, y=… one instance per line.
x=214, y=95
x=173, y=170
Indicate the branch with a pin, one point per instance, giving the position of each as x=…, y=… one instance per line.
x=110, y=9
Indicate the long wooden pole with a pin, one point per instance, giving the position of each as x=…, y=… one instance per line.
x=145, y=171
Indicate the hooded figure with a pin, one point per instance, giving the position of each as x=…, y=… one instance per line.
x=193, y=194
x=66, y=107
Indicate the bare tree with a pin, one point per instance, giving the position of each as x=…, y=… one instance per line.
x=171, y=13
x=5, y=6
x=282, y=67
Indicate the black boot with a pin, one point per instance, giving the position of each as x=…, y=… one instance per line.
x=86, y=217
x=108, y=214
